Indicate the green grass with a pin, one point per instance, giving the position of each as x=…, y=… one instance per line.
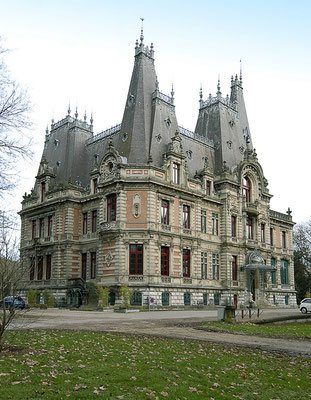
x=294, y=330
x=87, y=365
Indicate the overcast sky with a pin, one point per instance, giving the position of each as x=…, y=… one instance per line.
x=83, y=52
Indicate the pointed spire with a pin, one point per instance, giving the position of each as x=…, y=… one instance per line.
x=85, y=117
x=91, y=120
x=201, y=96
x=47, y=130
x=240, y=72
x=68, y=110
x=218, y=89
x=142, y=32
x=172, y=93
x=76, y=113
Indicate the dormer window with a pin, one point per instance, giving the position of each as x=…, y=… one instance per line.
x=176, y=173
x=208, y=188
x=95, y=185
x=42, y=191
x=246, y=189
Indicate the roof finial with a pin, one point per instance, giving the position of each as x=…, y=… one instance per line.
x=201, y=96
x=85, y=117
x=69, y=110
x=142, y=31
x=91, y=120
x=240, y=72
x=76, y=113
x=172, y=91
x=47, y=130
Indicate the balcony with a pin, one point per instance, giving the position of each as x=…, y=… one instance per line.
x=109, y=226
x=251, y=208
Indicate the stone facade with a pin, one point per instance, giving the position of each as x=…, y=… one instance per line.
x=180, y=217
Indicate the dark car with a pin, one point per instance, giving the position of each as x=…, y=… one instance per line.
x=17, y=301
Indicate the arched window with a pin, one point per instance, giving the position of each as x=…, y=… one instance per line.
x=246, y=189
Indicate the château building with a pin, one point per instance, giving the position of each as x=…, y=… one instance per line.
x=180, y=217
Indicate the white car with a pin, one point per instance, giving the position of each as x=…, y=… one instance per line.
x=305, y=305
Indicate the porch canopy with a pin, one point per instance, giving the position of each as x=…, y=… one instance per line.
x=254, y=261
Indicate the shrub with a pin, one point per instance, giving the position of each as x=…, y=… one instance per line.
x=126, y=294
x=48, y=298
x=32, y=297
x=93, y=293
x=104, y=295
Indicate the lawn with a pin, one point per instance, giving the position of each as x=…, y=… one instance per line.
x=293, y=330
x=88, y=365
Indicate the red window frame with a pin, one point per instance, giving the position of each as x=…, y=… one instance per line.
x=234, y=268
x=208, y=188
x=249, y=228
x=93, y=264
x=263, y=232
x=42, y=191
x=176, y=173
x=94, y=221
x=165, y=212
x=84, y=223
x=283, y=239
x=40, y=268
x=48, y=267
x=32, y=269
x=186, y=262
x=33, y=229
x=233, y=226
x=246, y=189
x=165, y=261
x=111, y=207
x=136, y=259
x=186, y=216
x=41, y=227
x=83, y=265
x=50, y=225
x=271, y=236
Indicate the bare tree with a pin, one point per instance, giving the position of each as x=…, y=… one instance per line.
x=11, y=271
x=14, y=118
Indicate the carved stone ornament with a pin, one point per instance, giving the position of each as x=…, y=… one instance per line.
x=130, y=100
x=109, y=258
x=136, y=206
x=168, y=122
x=108, y=167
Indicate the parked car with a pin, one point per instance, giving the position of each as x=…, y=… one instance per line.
x=305, y=305
x=10, y=300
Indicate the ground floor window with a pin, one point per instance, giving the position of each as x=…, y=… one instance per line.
x=48, y=270
x=40, y=268
x=136, y=299
x=187, y=299
x=93, y=265
x=136, y=259
x=112, y=298
x=273, y=273
x=83, y=266
x=216, y=299
x=205, y=299
x=165, y=299
x=215, y=266
x=165, y=261
x=284, y=272
x=32, y=269
x=286, y=300
x=186, y=262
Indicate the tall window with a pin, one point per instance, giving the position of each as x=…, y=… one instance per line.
x=33, y=229
x=208, y=188
x=186, y=217
x=246, y=189
x=284, y=239
x=234, y=268
x=263, y=233
x=203, y=265
x=186, y=262
x=165, y=212
x=284, y=272
x=93, y=264
x=136, y=259
x=50, y=225
x=249, y=228
x=48, y=268
x=165, y=259
x=271, y=236
x=42, y=191
x=176, y=173
x=215, y=224
x=32, y=269
x=94, y=221
x=95, y=185
x=215, y=266
x=273, y=273
x=41, y=227
x=84, y=223
x=233, y=226
x=203, y=221
x=40, y=268
x=83, y=266
x=111, y=207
